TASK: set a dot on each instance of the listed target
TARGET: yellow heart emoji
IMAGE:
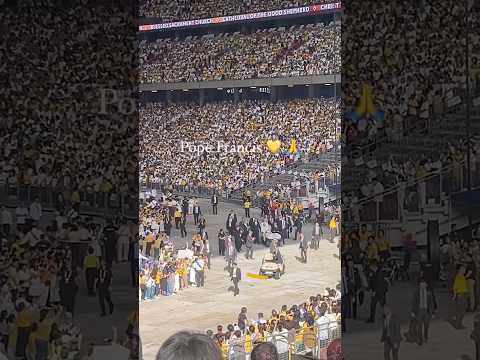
(274, 145)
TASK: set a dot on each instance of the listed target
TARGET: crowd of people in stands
(48, 143)
(179, 10)
(164, 128)
(413, 92)
(164, 269)
(295, 51)
(422, 98)
(409, 174)
(311, 326)
(368, 266)
(45, 268)
(315, 323)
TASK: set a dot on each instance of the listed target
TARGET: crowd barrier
(319, 342)
(91, 203)
(414, 197)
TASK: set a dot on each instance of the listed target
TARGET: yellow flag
(293, 147)
(365, 104)
(257, 276)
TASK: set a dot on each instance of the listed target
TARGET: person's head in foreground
(264, 351)
(188, 345)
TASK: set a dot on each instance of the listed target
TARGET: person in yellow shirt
(372, 250)
(32, 342)
(90, 266)
(363, 235)
(460, 292)
(333, 227)
(248, 343)
(157, 244)
(24, 323)
(247, 205)
(383, 245)
(177, 216)
(149, 240)
(12, 334)
(143, 283)
(43, 332)
(158, 280)
(75, 199)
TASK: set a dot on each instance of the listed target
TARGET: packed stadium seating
(274, 52)
(250, 123)
(179, 10)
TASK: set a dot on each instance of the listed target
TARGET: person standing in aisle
(104, 280)
(460, 294)
(90, 266)
(221, 242)
(214, 201)
(249, 246)
(391, 336)
(316, 235)
(183, 226)
(247, 205)
(110, 236)
(236, 278)
(196, 213)
(303, 247)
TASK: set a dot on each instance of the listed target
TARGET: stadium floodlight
(219, 88)
(328, 84)
(253, 87)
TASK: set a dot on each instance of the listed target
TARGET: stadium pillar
(201, 96)
(236, 95)
(311, 91)
(169, 96)
(273, 94)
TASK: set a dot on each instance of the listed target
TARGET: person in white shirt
(323, 328)
(60, 220)
(21, 213)
(280, 336)
(35, 212)
(34, 236)
(199, 266)
(6, 220)
(124, 238)
(84, 233)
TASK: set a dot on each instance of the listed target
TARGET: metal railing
(317, 341)
(414, 196)
(91, 203)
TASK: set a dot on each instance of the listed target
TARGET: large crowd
(370, 267)
(54, 136)
(315, 322)
(413, 92)
(311, 123)
(276, 52)
(187, 9)
(46, 266)
(426, 62)
(64, 142)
